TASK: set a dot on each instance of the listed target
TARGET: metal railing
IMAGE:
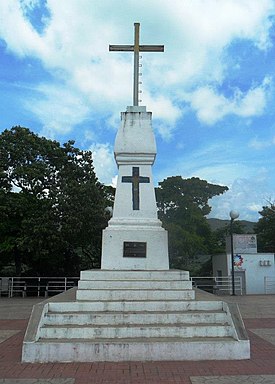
(43, 286)
(219, 285)
(35, 286)
(269, 285)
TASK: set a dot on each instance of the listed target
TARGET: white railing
(217, 284)
(269, 285)
(35, 286)
(42, 286)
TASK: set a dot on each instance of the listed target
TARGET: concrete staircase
(134, 315)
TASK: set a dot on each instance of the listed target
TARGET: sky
(211, 92)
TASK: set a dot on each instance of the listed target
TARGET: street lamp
(233, 215)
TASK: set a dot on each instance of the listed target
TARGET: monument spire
(136, 48)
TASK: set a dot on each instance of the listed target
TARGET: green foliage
(183, 205)
(51, 205)
(109, 195)
(190, 194)
(265, 229)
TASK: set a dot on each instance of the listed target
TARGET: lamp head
(234, 214)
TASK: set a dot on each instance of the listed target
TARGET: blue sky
(211, 92)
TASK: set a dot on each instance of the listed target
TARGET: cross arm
(151, 48)
(127, 179)
(144, 179)
(121, 48)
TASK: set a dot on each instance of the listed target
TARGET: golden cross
(136, 48)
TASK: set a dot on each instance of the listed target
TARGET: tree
(51, 204)
(265, 229)
(183, 206)
(13, 207)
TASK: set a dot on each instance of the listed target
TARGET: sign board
(245, 243)
(242, 244)
(134, 249)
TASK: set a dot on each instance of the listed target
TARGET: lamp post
(233, 215)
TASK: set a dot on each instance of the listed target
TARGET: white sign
(245, 243)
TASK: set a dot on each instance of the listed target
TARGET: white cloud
(223, 19)
(250, 104)
(247, 195)
(59, 109)
(163, 108)
(20, 36)
(201, 41)
(165, 114)
(104, 163)
(211, 106)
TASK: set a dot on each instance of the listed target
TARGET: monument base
(131, 316)
(135, 247)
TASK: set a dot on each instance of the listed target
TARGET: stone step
(102, 274)
(134, 284)
(134, 331)
(167, 349)
(134, 294)
(128, 306)
(119, 318)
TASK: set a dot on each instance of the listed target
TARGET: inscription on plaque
(134, 249)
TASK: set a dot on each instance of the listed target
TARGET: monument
(135, 238)
(134, 307)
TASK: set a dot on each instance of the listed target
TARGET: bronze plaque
(134, 249)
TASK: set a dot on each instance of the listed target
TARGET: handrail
(36, 285)
(33, 285)
(220, 285)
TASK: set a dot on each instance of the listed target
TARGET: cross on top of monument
(136, 48)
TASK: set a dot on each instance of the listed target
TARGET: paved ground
(259, 317)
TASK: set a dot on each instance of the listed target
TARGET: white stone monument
(134, 308)
(135, 238)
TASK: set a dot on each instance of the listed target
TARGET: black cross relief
(135, 179)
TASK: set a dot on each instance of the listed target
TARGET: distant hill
(218, 223)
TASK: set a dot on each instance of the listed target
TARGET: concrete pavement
(258, 312)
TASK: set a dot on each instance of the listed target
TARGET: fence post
(11, 288)
(266, 285)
